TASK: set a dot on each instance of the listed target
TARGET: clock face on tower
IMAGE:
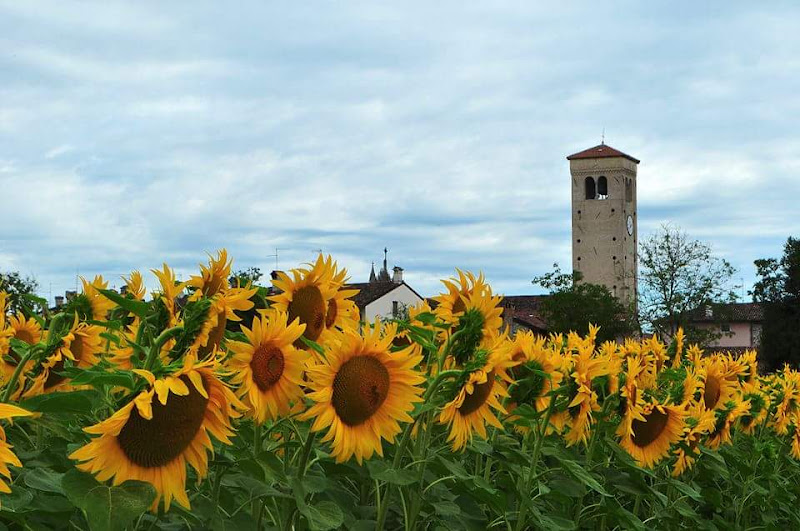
(630, 225)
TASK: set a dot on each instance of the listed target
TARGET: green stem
(309, 445)
(12, 383)
(537, 452)
(155, 348)
(257, 439)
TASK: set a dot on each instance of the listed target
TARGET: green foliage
(21, 293)
(572, 305)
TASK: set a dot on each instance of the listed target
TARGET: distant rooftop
(601, 151)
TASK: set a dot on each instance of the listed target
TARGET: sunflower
(538, 371)
(470, 297)
(725, 420)
(699, 422)
(27, 330)
(214, 278)
(719, 387)
(170, 290)
(362, 391)
(7, 457)
(223, 309)
(677, 356)
(80, 345)
(100, 304)
(305, 296)
(650, 430)
(267, 368)
(585, 368)
(471, 409)
(759, 406)
(163, 428)
(134, 285)
(341, 313)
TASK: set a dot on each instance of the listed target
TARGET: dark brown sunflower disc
(359, 388)
(647, 431)
(479, 395)
(712, 392)
(333, 312)
(309, 306)
(155, 442)
(267, 366)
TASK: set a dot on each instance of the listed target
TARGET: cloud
(436, 130)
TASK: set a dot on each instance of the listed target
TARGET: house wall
(741, 336)
(383, 306)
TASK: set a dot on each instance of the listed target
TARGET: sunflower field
(206, 405)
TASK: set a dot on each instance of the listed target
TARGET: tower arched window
(602, 188)
(591, 192)
(628, 190)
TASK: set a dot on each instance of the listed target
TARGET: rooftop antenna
(276, 257)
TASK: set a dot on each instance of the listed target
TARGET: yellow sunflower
(719, 388)
(267, 368)
(725, 421)
(223, 309)
(341, 313)
(471, 409)
(214, 278)
(170, 290)
(27, 330)
(134, 284)
(7, 456)
(81, 345)
(531, 354)
(163, 428)
(699, 422)
(362, 391)
(585, 368)
(469, 293)
(679, 343)
(101, 304)
(759, 406)
(305, 296)
(650, 431)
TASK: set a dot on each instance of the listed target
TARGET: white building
(384, 296)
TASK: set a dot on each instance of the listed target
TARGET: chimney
(59, 301)
(70, 295)
(709, 311)
(123, 290)
(274, 275)
(397, 277)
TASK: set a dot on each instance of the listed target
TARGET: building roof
(372, 291)
(524, 309)
(737, 312)
(601, 151)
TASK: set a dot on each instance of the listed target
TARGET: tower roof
(601, 151)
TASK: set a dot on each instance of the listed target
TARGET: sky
(138, 133)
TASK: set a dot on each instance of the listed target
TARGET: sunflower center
(330, 316)
(154, 443)
(309, 306)
(648, 430)
(480, 393)
(712, 392)
(25, 335)
(267, 366)
(359, 388)
(459, 306)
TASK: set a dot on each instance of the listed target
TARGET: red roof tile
(600, 152)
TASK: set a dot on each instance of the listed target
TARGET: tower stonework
(604, 224)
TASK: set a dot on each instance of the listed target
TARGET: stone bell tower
(604, 225)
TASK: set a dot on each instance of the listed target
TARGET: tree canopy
(779, 291)
(572, 305)
(20, 289)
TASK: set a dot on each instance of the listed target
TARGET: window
(395, 309)
(628, 190)
(725, 327)
(602, 188)
(590, 189)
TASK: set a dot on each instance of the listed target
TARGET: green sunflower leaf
(70, 402)
(111, 508)
(582, 475)
(134, 306)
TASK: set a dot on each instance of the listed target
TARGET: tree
(779, 291)
(242, 277)
(679, 276)
(573, 305)
(21, 291)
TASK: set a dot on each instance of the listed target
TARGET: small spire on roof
(603, 137)
(372, 277)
